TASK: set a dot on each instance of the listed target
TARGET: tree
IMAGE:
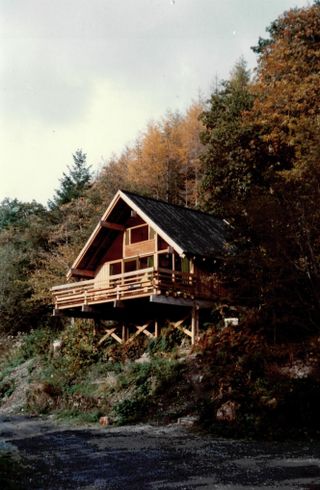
(261, 168)
(227, 166)
(191, 127)
(287, 105)
(74, 183)
(22, 239)
(17, 213)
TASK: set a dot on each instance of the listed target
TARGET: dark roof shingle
(197, 233)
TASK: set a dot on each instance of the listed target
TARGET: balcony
(130, 285)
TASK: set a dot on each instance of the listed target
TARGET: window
(138, 234)
(138, 263)
(177, 263)
(130, 265)
(165, 261)
(115, 268)
(145, 262)
(162, 244)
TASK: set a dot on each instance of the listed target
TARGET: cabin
(146, 262)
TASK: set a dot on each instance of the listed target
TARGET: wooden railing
(130, 285)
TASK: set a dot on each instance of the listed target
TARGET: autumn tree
(261, 168)
(286, 114)
(165, 159)
(191, 127)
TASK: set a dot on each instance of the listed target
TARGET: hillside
(248, 156)
(232, 383)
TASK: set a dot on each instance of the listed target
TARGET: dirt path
(145, 457)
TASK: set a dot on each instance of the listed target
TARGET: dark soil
(145, 457)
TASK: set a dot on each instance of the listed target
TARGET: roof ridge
(180, 206)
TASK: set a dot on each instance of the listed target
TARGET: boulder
(227, 412)
(104, 421)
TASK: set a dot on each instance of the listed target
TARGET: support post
(156, 328)
(194, 324)
(125, 333)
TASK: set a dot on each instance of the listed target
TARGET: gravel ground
(147, 457)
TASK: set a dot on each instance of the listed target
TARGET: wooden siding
(140, 248)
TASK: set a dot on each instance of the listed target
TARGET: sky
(90, 74)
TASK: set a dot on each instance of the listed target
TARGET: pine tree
(74, 183)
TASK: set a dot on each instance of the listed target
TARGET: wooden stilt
(194, 324)
(125, 333)
(156, 328)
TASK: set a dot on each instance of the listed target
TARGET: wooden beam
(170, 300)
(110, 333)
(178, 325)
(82, 273)
(142, 329)
(87, 309)
(112, 226)
(118, 304)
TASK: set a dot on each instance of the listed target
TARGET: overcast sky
(90, 74)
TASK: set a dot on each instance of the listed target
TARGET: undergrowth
(157, 381)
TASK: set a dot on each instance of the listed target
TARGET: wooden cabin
(146, 261)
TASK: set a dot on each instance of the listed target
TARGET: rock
(272, 403)
(104, 421)
(56, 347)
(188, 421)
(227, 411)
(19, 378)
(144, 358)
(231, 322)
(297, 370)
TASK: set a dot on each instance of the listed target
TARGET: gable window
(138, 234)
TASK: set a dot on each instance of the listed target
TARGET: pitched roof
(195, 232)
(188, 231)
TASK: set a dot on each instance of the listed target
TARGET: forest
(250, 154)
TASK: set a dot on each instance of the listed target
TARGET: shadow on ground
(144, 457)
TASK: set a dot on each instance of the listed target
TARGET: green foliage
(261, 173)
(228, 169)
(37, 343)
(22, 239)
(143, 382)
(16, 213)
(79, 350)
(79, 417)
(168, 341)
(130, 410)
(6, 388)
(75, 183)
